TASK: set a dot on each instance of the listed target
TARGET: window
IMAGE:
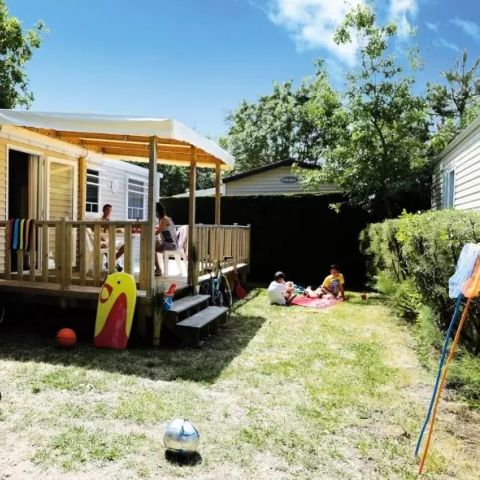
(135, 199)
(93, 191)
(449, 189)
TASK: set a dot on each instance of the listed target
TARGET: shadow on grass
(29, 336)
(183, 460)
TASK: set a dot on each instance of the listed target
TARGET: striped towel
(21, 233)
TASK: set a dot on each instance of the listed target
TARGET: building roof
(282, 163)
(123, 137)
(205, 192)
(463, 135)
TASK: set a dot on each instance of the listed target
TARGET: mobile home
(56, 170)
(456, 177)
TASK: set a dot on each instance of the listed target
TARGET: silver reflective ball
(181, 436)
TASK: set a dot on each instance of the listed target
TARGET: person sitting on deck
(280, 292)
(166, 236)
(332, 286)
(106, 213)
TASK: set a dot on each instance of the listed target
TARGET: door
(24, 177)
(62, 198)
(18, 184)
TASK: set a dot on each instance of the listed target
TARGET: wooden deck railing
(228, 244)
(69, 252)
(66, 252)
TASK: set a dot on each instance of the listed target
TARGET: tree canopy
(175, 179)
(455, 102)
(16, 49)
(378, 156)
(275, 127)
(377, 137)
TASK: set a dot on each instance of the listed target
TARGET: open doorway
(25, 181)
(18, 184)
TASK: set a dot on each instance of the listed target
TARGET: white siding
(114, 175)
(269, 183)
(464, 158)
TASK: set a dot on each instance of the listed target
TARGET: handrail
(106, 223)
(215, 242)
(222, 226)
(82, 252)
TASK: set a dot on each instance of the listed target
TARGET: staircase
(191, 319)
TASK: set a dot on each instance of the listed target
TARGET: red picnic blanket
(304, 301)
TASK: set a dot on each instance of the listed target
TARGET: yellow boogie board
(116, 306)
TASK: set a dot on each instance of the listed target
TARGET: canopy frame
(146, 140)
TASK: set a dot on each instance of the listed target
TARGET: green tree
(455, 103)
(379, 157)
(175, 179)
(16, 49)
(273, 128)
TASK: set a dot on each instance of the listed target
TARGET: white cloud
(470, 28)
(401, 11)
(432, 26)
(313, 23)
(446, 44)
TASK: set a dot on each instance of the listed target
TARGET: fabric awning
(123, 137)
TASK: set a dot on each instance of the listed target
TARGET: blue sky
(195, 60)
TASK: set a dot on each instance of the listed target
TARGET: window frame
(449, 181)
(144, 193)
(99, 197)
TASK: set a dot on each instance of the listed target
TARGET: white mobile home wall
(462, 156)
(114, 176)
(270, 183)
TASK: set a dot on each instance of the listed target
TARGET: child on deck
(280, 292)
(332, 286)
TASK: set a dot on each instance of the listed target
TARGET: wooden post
(112, 248)
(97, 255)
(127, 246)
(32, 253)
(82, 257)
(8, 252)
(152, 207)
(192, 248)
(45, 251)
(60, 252)
(144, 233)
(67, 268)
(82, 187)
(20, 264)
(218, 179)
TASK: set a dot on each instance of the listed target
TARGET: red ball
(66, 338)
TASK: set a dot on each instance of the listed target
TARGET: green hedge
(410, 259)
(415, 255)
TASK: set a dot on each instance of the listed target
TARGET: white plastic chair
(179, 254)
(90, 250)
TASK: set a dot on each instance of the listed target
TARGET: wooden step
(201, 324)
(186, 303)
(183, 308)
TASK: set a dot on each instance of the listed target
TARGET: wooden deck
(66, 263)
(86, 296)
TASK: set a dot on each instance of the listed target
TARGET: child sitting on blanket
(280, 292)
(332, 286)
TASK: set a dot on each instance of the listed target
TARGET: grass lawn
(281, 393)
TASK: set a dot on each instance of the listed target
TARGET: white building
(456, 177)
(123, 185)
(279, 178)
